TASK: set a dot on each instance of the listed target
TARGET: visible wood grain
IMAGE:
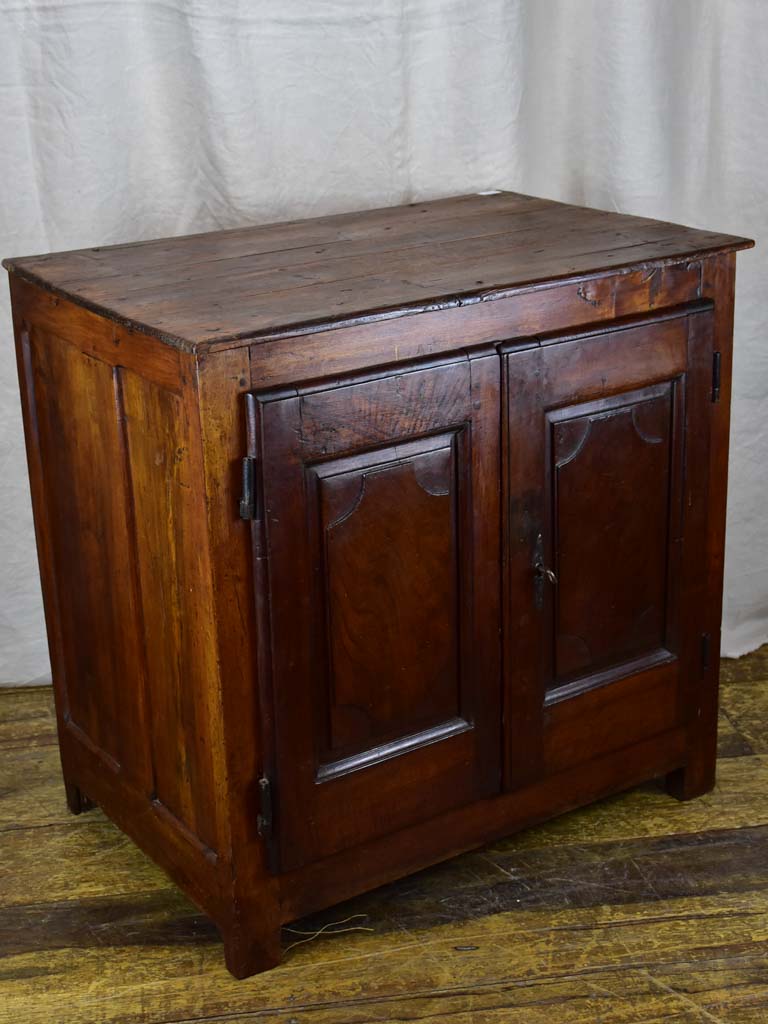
(27, 717)
(342, 350)
(75, 855)
(735, 802)
(31, 795)
(143, 920)
(599, 530)
(236, 285)
(605, 718)
(634, 909)
(91, 549)
(746, 708)
(718, 284)
(170, 563)
(251, 921)
(287, 720)
(612, 553)
(753, 668)
(510, 879)
(645, 812)
(731, 741)
(96, 336)
(74, 412)
(384, 638)
(516, 960)
(31, 789)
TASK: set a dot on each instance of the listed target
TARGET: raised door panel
(607, 488)
(380, 568)
(388, 535)
(615, 500)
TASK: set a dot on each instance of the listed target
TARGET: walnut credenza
(368, 539)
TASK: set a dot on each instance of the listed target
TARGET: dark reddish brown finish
(384, 653)
(611, 501)
(225, 287)
(600, 485)
(390, 515)
(436, 399)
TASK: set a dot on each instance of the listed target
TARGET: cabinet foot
(77, 801)
(692, 780)
(250, 952)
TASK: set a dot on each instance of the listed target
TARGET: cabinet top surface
(221, 287)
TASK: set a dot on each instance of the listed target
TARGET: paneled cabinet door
(379, 583)
(607, 455)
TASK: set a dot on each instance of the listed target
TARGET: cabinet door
(607, 477)
(381, 595)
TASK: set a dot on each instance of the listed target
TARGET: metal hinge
(705, 651)
(248, 504)
(264, 818)
(716, 361)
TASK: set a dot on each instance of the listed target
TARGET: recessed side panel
(75, 411)
(389, 549)
(174, 588)
(615, 497)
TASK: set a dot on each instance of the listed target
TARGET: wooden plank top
(256, 283)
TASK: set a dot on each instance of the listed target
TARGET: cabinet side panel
(113, 444)
(84, 510)
(718, 280)
(172, 563)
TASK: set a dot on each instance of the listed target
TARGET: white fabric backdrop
(127, 119)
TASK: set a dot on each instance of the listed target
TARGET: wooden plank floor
(636, 909)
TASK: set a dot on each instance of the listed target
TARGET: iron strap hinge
(265, 815)
(706, 645)
(249, 500)
(716, 361)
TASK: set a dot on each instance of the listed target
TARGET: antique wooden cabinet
(365, 540)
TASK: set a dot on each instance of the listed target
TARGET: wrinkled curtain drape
(127, 119)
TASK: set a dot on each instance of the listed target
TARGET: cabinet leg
(694, 779)
(249, 951)
(77, 801)
(697, 776)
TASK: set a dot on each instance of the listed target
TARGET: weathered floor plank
(752, 668)
(747, 711)
(26, 718)
(72, 862)
(482, 962)
(634, 910)
(31, 788)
